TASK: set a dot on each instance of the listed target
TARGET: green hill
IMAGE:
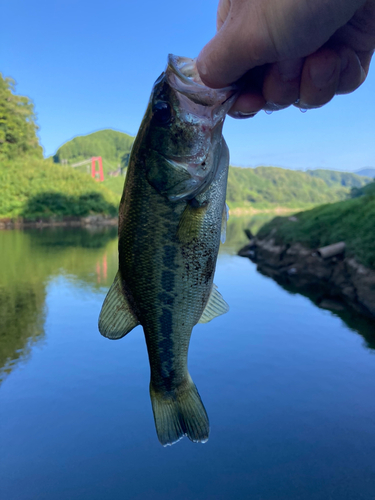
(260, 188)
(334, 178)
(352, 221)
(34, 188)
(264, 187)
(113, 146)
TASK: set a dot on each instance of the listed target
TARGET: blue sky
(91, 65)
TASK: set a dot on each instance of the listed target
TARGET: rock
(326, 271)
(331, 250)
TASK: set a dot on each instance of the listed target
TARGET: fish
(171, 217)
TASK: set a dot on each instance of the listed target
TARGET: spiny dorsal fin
(224, 220)
(116, 317)
(216, 306)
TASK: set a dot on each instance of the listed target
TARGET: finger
(320, 78)
(282, 83)
(222, 13)
(247, 104)
(236, 48)
(352, 75)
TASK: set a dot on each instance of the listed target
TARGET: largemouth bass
(171, 215)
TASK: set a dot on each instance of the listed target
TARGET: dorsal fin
(116, 317)
(215, 306)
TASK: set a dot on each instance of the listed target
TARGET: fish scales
(169, 236)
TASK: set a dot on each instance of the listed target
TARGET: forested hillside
(32, 187)
(334, 178)
(261, 187)
(113, 146)
(264, 187)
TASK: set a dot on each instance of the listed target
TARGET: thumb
(240, 44)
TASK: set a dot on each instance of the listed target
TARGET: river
(289, 388)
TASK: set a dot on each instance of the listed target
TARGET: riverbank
(332, 283)
(243, 211)
(90, 220)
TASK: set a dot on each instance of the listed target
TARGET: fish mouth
(183, 76)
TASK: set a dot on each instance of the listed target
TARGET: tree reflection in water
(30, 259)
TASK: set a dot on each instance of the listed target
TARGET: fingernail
(302, 106)
(321, 75)
(201, 66)
(239, 115)
(272, 106)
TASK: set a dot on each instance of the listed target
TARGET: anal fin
(215, 306)
(116, 317)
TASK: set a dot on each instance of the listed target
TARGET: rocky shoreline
(90, 220)
(332, 283)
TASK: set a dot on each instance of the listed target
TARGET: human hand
(288, 51)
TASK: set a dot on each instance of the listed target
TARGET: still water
(289, 388)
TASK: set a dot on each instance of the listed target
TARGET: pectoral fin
(216, 306)
(192, 218)
(116, 317)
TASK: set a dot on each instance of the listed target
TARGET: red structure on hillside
(98, 176)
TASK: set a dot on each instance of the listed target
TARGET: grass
(352, 221)
(33, 188)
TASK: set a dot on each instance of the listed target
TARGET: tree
(17, 124)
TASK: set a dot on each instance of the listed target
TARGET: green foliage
(261, 187)
(352, 221)
(17, 124)
(35, 188)
(368, 189)
(115, 184)
(333, 178)
(113, 146)
(264, 187)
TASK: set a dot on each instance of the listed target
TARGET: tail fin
(179, 416)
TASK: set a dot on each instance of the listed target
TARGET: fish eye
(162, 113)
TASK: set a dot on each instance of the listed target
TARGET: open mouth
(183, 76)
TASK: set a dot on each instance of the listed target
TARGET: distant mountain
(347, 179)
(113, 146)
(264, 187)
(261, 187)
(367, 172)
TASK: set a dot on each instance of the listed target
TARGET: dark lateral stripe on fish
(169, 257)
(166, 345)
(167, 280)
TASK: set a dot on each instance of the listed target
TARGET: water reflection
(21, 323)
(235, 236)
(287, 386)
(319, 297)
(30, 260)
(87, 257)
